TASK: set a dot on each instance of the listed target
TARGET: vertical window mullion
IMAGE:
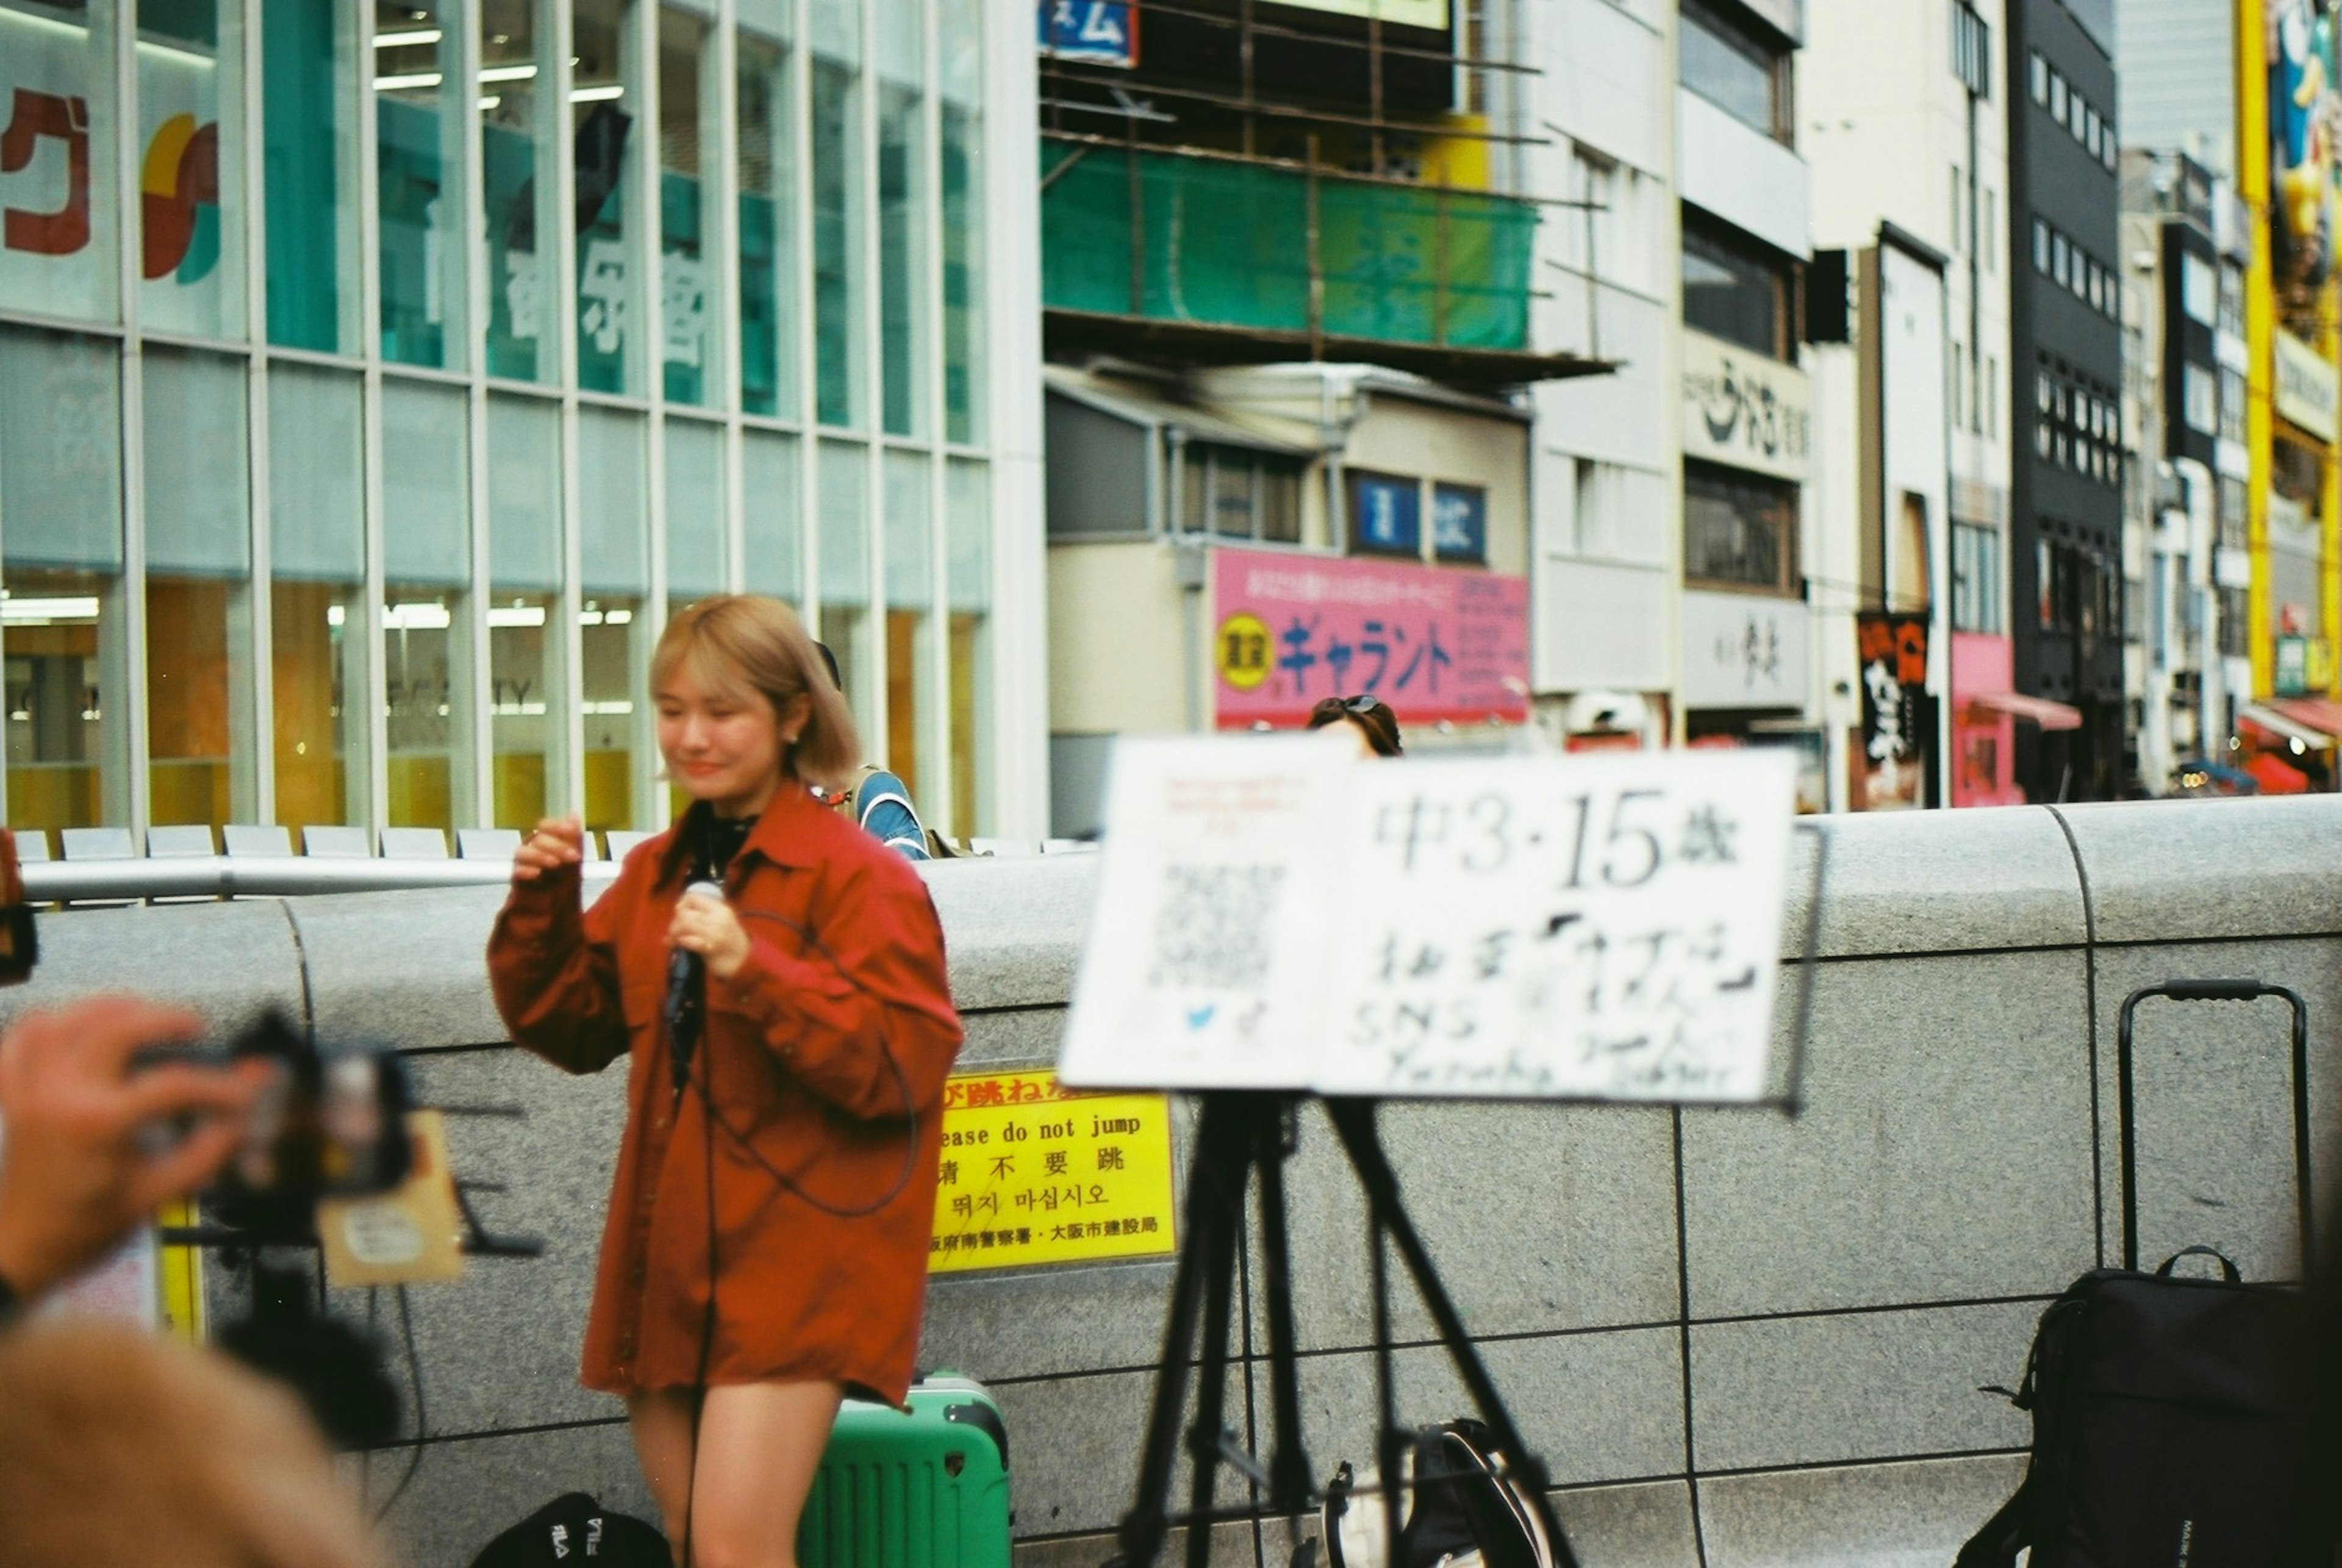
(260, 691)
(940, 808)
(809, 382)
(127, 796)
(565, 767)
(647, 233)
(872, 671)
(477, 804)
(721, 132)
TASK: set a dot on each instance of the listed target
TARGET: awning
(2269, 719)
(2040, 711)
(2274, 777)
(2313, 712)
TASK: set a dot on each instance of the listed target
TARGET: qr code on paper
(1211, 928)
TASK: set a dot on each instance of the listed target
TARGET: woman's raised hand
(556, 842)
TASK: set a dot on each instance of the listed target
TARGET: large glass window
(905, 341)
(420, 116)
(769, 250)
(772, 546)
(968, 531)
(58, 166)
(316, 531)
(1739, 530)
(959, 66)
(427, 653)
(911, 697)
(1735, 288)
(840, 372)
(524, 460)
(846, 571)
(602, 115)
(199, 720)
(614, 555)
(191, 167)
(688, 351)
(1732, 66)
(309, 106)
(62, 616)
(517, 128)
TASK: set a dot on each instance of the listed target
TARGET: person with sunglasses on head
(1370, 717)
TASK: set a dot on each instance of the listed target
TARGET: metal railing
(258, 876)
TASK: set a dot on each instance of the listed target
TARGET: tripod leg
(1354, 1123)
(1212, 1364)
(1217, 1143)
(1288, 1466)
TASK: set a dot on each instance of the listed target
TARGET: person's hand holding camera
(77, 1169)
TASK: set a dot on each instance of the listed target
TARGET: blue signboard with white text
(1459, 523)
(1098, 31)
(1385, 513)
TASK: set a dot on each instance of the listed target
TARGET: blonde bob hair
(738, 645)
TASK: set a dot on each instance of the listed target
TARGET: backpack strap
(2004, 1535)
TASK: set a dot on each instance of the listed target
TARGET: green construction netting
(1228, 245)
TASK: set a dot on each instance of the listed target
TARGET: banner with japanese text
(1034, 1173)
(1434, 643)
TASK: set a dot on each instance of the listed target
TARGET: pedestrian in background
(877, 801)
(765, 1248)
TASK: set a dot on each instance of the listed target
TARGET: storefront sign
(1744, 409)
(2292, 674)
(1898, 724)
(2306, 391)
(1034, 1173)
(1434, 643)
(1744, 650)
(2302, 102)
(1386, 513)
(1459, 522)
(1096, 32)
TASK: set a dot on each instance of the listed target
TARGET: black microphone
(686, 996)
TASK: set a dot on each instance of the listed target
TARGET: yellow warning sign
(1034, 1172)
(1242, 649)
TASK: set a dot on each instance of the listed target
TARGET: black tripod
(1239, 1134)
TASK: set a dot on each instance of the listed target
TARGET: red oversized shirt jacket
(825, 1056)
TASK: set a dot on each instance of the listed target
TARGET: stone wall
(1736, 1337)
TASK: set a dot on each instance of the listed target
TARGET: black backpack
(2170, 1418)
(2171, 1415)
(572, 1529)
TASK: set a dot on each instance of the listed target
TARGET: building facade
(1906, 128)
(374, 378)
(1289, 306)
(2066, 577)
(1745, 639)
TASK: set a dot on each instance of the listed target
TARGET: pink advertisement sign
(1434, 643)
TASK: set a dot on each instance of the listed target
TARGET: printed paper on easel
(1204, 965)
(1579, 927)
(1605, 927)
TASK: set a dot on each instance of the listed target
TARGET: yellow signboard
(1242, 649)
(1406, 13)
(1037, 1174)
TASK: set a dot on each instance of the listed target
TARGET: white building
(1665, 573)
(1902, 113)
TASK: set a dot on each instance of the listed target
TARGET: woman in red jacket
(767, 1234)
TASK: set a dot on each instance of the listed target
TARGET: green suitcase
(926, 1490)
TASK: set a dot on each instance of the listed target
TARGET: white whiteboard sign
(1273, 913)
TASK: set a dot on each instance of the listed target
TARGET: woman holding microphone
(789, 1025)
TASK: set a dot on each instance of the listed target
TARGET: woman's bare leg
(759, 1446)
(661, 1418)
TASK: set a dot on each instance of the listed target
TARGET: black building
(2066, 578)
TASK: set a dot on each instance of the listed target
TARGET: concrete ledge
(1842, 1279)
